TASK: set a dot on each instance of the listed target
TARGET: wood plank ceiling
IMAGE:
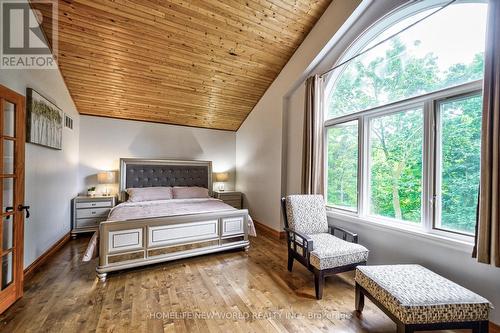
(202, 63)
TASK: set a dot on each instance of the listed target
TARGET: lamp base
(106, 193)
(221, 187)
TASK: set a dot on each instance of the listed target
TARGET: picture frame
(44, 121)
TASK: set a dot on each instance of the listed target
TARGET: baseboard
(269, 231)
(494, 328)
(28, 271)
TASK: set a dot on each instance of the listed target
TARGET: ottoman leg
(482, 327)
(402, 328)
(359, 299)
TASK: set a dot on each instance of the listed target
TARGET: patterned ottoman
(418, 299)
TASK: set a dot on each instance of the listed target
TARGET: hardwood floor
(226, 292)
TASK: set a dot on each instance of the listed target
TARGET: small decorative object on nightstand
(88, 212)
(221, 178)
(91, 191)
(232, 198)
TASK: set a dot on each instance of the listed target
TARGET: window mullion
(364, 156)
(428, 166)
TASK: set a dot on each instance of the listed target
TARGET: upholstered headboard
(151, 173)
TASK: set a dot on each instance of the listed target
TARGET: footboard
(133, 243)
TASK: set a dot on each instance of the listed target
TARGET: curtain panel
(312, 159)
(487, 245)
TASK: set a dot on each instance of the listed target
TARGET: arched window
(404, 117)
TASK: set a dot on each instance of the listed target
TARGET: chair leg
(359, 299)
(290, 262)
(319, 282)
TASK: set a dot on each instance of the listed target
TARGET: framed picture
(44, 121)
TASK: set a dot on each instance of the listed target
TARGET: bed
(148, 232)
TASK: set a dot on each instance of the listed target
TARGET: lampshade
(221, 177)
(106, 177)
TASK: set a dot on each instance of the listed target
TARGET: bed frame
(140, 242)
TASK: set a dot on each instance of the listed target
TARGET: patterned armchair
(314, 244)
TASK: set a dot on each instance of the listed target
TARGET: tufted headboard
(150, 173)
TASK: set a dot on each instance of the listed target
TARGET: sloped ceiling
(202, 63)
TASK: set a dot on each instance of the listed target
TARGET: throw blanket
(159, 208)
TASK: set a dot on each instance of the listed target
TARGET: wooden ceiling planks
(201, 63)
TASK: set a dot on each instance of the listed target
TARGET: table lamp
(106, 178)
(221, 178)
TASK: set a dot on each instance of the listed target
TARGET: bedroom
(244, 102)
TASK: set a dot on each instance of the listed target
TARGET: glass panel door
(12, 137)
(7, 228)
(8, 142)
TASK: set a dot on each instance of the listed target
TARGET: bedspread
(161, 208)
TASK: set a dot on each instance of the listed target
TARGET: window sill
(463, 244)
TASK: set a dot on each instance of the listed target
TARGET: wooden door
(12, 138)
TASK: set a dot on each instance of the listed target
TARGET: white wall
(103, 141)
(51, 175)
(294, 123)
(259, 140)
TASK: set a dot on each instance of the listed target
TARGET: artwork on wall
(44, 121)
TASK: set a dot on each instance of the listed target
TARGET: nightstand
(231, 198)
(88, 212)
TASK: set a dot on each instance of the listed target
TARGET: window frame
(429, 104)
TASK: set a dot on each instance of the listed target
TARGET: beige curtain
(312, 165)
(487, 248)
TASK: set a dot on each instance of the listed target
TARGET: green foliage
(461, 145)
(396, 139)
(343, 165)
(396, 164)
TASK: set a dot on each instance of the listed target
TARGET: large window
(403, 120)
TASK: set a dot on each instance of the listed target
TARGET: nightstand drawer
(94, 204)
(229, 196)
(92, 213)
(235, 203)
(85, 223)
(88, 212)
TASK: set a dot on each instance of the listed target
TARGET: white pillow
(139, 194)
(189, 192)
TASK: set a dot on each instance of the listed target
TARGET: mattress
(162, 208)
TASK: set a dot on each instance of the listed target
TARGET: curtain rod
(386, 39)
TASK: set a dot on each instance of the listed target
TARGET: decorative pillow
(189, 192)
(149, 194)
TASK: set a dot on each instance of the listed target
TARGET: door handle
(26, 208)
(8, 210)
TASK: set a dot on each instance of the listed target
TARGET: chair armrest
(307, 243)
(345, 233)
